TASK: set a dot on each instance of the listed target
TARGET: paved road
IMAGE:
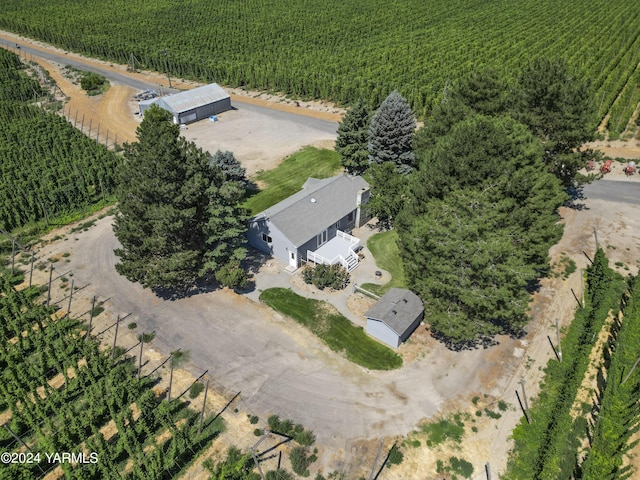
(618, 191)
(122, 79)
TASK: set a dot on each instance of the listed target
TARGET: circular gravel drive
(278, 366)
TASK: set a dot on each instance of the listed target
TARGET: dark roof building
(395, 316)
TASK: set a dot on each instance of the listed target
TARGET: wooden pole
(558, 337)
(115, 338)
(140, 358)
(524, 394)
(170, 380)
(13, 255)
(204, 402)
(33, 257)
(70, 297)
(595, 234)
(526, 415)
(93, 304)
(49, 289)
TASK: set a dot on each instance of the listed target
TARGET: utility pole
(524, 394)
(558, 337)
(166, 67)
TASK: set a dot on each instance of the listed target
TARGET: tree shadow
(203, 285)
(576, 197)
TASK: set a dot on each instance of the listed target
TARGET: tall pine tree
(391, 133)
(178, 220)
(353, 138)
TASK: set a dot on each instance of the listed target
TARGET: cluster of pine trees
(179, 219)
(474, 192)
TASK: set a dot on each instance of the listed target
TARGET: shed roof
(313, 209)
(190, 99)
(398, 309)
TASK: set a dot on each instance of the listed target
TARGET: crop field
(348, 49)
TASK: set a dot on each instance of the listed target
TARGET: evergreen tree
(557, 107)
(353, 138)
(387, 192)
(479, 219)
(230, 166)
(178, 219)
(391, 133)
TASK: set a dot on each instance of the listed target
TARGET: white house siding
(379, 330)
(280, 247)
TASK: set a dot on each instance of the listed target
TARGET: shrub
(306, 438)
(232, 275)
(132, 326)
(253, 419)
(92, 81)
(395, 456)
(195, 389)
(300, 462)
(323, 276)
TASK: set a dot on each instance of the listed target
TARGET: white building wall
(383, 333)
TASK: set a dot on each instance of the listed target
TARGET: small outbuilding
(395, 316)
(192, 105)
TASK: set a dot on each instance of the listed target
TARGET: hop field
(349, 49)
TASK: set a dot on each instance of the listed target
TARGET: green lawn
(384, 248)
(287, 179)
(336, 330)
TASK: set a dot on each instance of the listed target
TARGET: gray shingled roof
(185, 101)
(299, 218)
(398, 308)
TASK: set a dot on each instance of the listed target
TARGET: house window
(293, 256)
(266, 238)
(322, 237)
(350, 217)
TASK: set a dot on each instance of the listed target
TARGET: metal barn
(193, 105)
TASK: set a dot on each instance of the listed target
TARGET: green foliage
(353, 138)
(288, 178)
(388, 192)
(97, 393)
(291, 429)
(322, 276)
(503, 406)
(339, 52)
(230, 166)
(232, 275)
(557, 105)
(384, 248)
(456, 466)
(547, 447)
(236, 466)
(391, 134)
(178, 218)
(444, 429)
(480, 218)
(49, 169)
(132, 326)
(336, 331)
(279, 474)
(146, 337)
(253, 419)
(92, 82)
(395, 456)
(492, 414)
(300, 461)
(195, 390)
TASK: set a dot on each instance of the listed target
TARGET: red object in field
(591, 165)
(606, 166)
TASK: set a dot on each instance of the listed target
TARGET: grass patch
(288, 177)
(334, 329)
(446, 429)
(384, 248)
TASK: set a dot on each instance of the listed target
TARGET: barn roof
(190, 99)
(398, 309)
(313, 209)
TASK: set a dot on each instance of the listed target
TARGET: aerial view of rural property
(328, 240)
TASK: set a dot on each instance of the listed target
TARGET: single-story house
(313, 224)
(395, 316)
(192, 105)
